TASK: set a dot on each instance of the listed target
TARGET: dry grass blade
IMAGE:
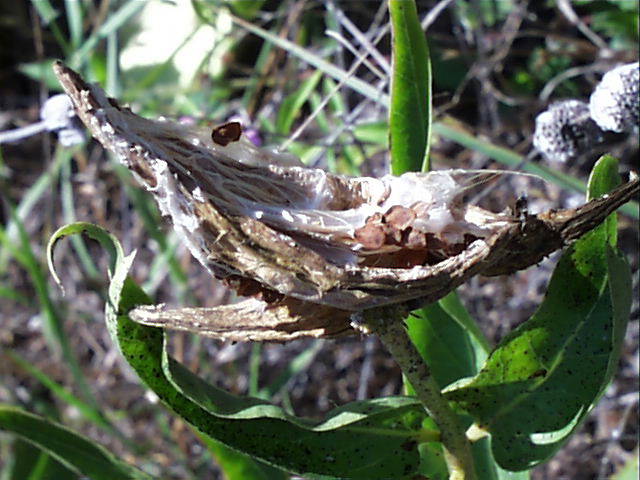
(292, 236)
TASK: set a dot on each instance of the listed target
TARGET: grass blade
(52, 322)
(114, 22)
(71, 449)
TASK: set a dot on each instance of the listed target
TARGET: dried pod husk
(309, 247)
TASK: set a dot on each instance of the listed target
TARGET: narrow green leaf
(292, 105)
(48, 14)
(29, 462)
(238, 466)
(74, 451)
(41, 71)
(372, 132)
(107, 241)
(299, 364)
(453, 306)
(543, 379)
(45, 10)
(88, 411)
(74, 10)
(246, 8)
(69, 214)
(114, 22)
(443, 344)
(410, 112)
(32, 196)
(14, 295)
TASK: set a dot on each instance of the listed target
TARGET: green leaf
(88, 411)
(372, 439)
(292, 104)
(31, 197)
(75, 14)
(544, 377)
(443, 343)
(361, 439)
(238, 466)
(74, 451)
(453, 306)
(372, 132)
(297, 365)
(29, 462)
(410, 112)
(246, 8)
(114, 22)
(441, 333)
(45, 10)
(41, 71)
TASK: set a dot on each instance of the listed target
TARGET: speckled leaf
(77, 453)
(410, 109)
(363, 440)
(544, 377)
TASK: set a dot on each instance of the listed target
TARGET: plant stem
(388, 324)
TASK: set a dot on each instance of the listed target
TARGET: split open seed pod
(309, 248)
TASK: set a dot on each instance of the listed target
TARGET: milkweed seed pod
(566, 130)
(310, 249)
(615, 103)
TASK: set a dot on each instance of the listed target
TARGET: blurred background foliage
(496, 64)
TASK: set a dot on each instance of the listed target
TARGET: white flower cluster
(571, 127)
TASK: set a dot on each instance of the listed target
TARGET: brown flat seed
(416, 240)
(399, 217)
(227, 133)
(371, 236)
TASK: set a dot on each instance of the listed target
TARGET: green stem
(388, 324)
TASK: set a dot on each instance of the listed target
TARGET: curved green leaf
(372, 439)
(410, 110)
(542, 380)
(72, 450)
(106, 240)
